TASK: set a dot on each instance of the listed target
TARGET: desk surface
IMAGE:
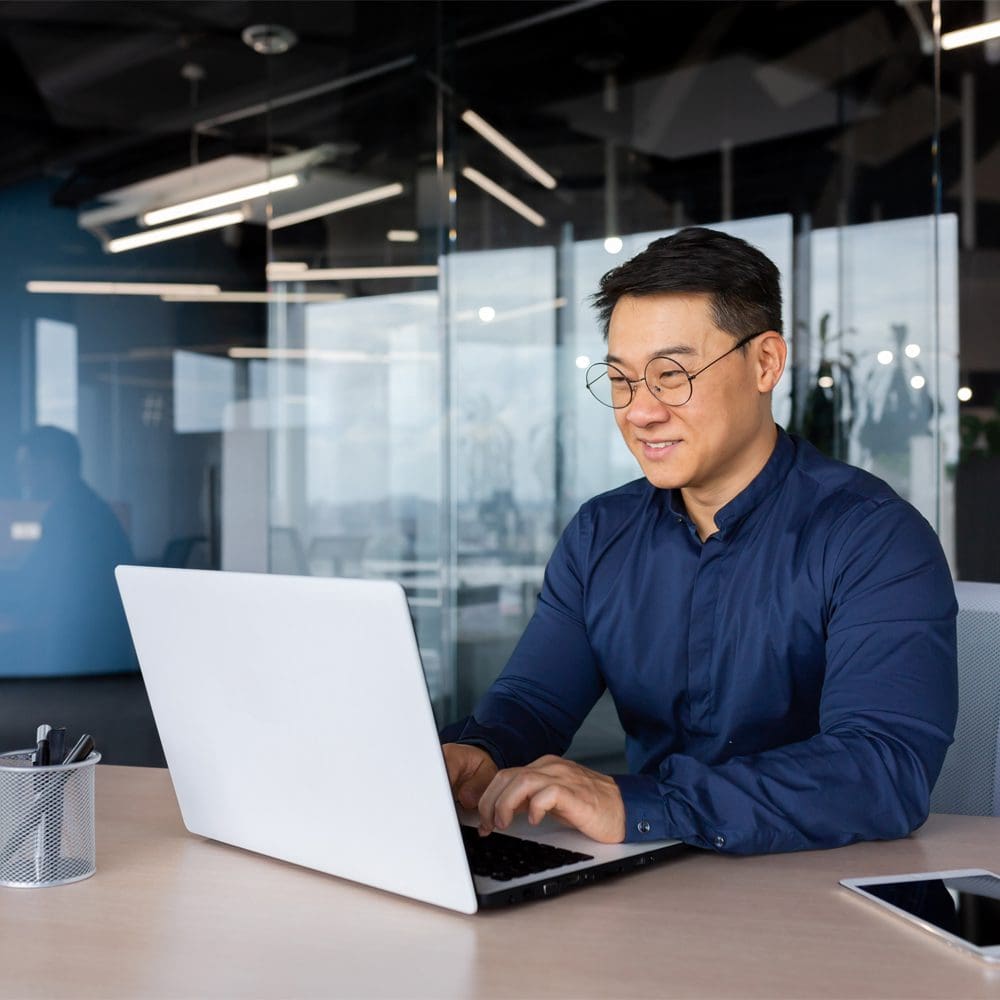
(172, 915)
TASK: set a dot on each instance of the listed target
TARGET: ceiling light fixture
(518, 312)
(118, 288)
(212, 201)
(280, 269)
(402, 236)
(337, 205)
(501, 142)
(269, 39)
(347, 273)
(494, 189)
(320, 354)
(290, 297)
(970, 36)
(174, 232)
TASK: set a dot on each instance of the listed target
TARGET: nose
(646, 407)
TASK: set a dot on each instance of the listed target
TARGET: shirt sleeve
(887, 713)
(552, 680)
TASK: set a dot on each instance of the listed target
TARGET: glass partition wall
(379, 369)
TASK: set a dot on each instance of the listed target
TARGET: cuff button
(643, 826)
(720, 841)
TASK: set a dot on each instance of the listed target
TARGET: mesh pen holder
(46, 821)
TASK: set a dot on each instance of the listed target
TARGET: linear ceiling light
(281, 269)
(319, 354)
(347, 273)
(174, 232)
(402, 236)
(118, 288)
(212, 201)
(491, 187)
(969, 36)
(525, 162)
(498, 316)
(337, 205)
(291, 297)
(295, 354)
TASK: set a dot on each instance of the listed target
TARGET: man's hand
(470, 770)
(573, 794)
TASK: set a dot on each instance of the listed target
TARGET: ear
(769, 362)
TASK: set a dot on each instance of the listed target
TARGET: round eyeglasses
(668, 380)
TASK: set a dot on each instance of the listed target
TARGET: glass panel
(348, 396)
(432, 426)
(806, 130)
(885, 372)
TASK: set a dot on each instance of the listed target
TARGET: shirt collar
(761, 486)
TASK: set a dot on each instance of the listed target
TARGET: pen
(57, 745)
(41, 758)
(81, 749)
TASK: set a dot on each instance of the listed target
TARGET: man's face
(707, 444)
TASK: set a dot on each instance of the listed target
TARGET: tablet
(960, 907)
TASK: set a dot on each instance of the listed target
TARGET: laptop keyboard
(502, 857)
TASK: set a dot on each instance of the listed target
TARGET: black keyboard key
(502, 857)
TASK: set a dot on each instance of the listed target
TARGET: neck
(704, 502)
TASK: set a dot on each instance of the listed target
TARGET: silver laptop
(296, 722)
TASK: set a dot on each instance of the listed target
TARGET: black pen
(57, 745)
(81, 750)
(41, 758)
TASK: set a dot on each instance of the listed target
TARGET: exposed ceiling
(102, 95)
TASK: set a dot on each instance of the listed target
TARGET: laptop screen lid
(296, 723)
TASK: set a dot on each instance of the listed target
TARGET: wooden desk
(172, 915)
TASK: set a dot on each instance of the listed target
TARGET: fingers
(584, 799)
(470, 770)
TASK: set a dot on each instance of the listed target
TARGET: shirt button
(643, 826)
(720, 841)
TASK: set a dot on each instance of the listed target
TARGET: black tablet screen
(968, 907)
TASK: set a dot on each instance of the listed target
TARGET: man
(777, 629)
(62, 604)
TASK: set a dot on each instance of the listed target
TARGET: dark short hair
(744, 285)
(52, 444)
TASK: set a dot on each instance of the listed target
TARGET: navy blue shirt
(790, 683)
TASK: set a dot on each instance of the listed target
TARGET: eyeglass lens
(666, 379)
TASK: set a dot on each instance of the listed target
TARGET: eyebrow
(663, 352)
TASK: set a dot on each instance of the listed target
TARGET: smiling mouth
(659, 445)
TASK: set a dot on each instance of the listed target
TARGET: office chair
(970, 779)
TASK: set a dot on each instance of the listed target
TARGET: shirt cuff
(645, 816)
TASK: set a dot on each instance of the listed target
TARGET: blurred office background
(369, 360)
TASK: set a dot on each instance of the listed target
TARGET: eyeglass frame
(632, 383)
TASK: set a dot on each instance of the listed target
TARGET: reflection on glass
(59, 607)
(872, 296)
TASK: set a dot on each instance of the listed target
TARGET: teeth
(659, 444)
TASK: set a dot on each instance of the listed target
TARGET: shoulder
(609, 520)
(636, 491)
(863, 527)
(837, 490)
(611, 509)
